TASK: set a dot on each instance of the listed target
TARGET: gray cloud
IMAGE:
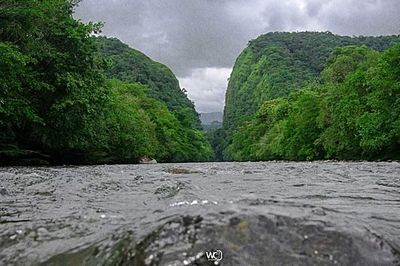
(189, 35)
(367, 17)
(207, 86)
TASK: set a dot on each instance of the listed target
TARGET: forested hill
(63, 101)
(130, 65)
(274, 66)
(277, 63)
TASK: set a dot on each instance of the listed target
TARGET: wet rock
(318, 211)
(147, 160)
(169, 190)
(42, 234)
(44, 193)
(259, 240)
(4, 192)
(179, 171)
(246, 172)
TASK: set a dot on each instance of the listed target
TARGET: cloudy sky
(200, 39)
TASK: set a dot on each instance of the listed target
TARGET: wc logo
(214, 255)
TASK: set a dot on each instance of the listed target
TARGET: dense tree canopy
(274, 66)
(177, 126)
(277, 63)
(52, 89)
(66, 96)
(57, 106)
(353, 114)
(130, 65)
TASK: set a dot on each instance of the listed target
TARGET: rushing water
(99, 214)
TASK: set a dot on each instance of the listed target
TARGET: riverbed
(261, 213)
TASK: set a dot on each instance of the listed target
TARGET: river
(261, 213)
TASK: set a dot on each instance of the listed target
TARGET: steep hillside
(130, 65)
(57, 107)
(310, 96)
(177, 127)
(277, 63)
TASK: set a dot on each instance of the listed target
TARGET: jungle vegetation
(307, 96)
(69, 97)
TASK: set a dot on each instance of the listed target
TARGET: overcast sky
(200, 39)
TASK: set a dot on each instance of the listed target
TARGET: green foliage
(130, 65)
(275, 64)
(128, 132)
(136, 125)
(354, 114)
(53, 80)
(14, 106)
(343, 61)
(56, 104)
(177, 127)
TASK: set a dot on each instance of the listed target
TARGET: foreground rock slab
(244, 240)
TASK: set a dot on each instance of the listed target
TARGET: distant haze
(200, 39)
(209, 118)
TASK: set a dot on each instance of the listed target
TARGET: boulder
(258, 240)
(147, 160)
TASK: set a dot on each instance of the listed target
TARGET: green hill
(181, 138)
(272, 67)
(67, 97)
(130, 65)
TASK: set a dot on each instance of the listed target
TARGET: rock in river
(147, 160)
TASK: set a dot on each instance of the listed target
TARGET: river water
(261, 213)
